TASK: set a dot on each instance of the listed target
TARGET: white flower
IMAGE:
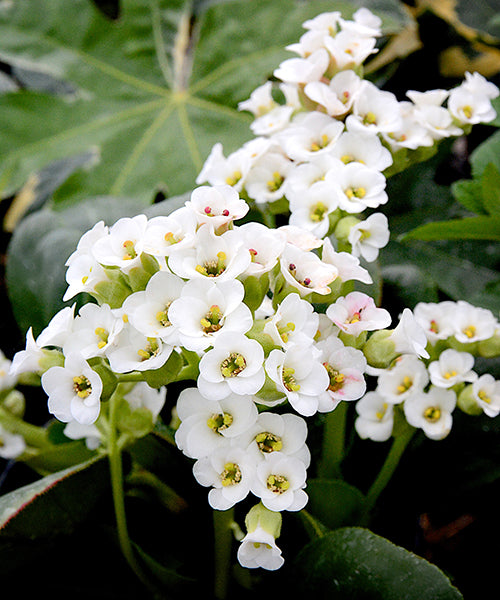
(431, 411)
(12, 445)
(313, 209)
(349, 49)
(82, 275)
(487, 394)
(364, 22)
(285, 433)
(375, 418)
(363, 147)
(310, 135)
(58, 330)
(303, 70)
(409, 336)
(217, 205)
(472, 323)
(167, 234)
(74, 391)
(205, 309)
(207, 425)
(345, 367)
(338, 96)
(266, 181)
(259, 549)
(347, 265)
(134, 351)
(407, 377)
(261, 100)
(452, 367)
(265, 245)
(360, 186)
(467, 107)
(87, 241)
(148, 310)
(303, 239)
(229, 472)
(214, 256)
(27, 360)
(123, 245)
(90, 433)
(477, 84)
(435, 318)
(411, 133)
(375, 111)
(368, 236)
(142, 396)
(305, 271)
(279, 482)
(310, 175)
(430, 113)
(324, 22)
(356, 312)
(94, 329)
(294, 322)
(299, 376)
(233, 170)
(233, 365)
(8, 378)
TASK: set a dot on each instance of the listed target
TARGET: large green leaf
(355, 563)
(154, 89)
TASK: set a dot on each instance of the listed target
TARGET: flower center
(450, 374)
(337, 379)
(218, 422)
(211, 321)
(317, 212)
(359, 192)
(405, 385)
(130, 252)
(319, 145)
(233, 365)
(289, 380)
(370, 118)
(284, 330)
(103, 335)
(432, 414)
(380, 414)
(162, 316)
(274, 184)
(469, 331)
(231, 475)
(213, 268)
(150, 350)
(467, 110)
(234, 178)
(484, 396)
(82, 386)
(268, 442)
(277, 484)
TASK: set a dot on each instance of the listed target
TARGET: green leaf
(490, 187)
(468, 193)
(472, 228)
(486, 153)
(355, 563)
(154, 89)
(54, 504)
(38, 250)
(59, 456)
(334, 502)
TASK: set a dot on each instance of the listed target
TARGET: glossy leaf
(358, 564)
(334, 502)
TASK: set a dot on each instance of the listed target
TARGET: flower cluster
(268, 321)
(324, 145)
(426, 390)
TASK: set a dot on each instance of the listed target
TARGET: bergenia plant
(243, 330)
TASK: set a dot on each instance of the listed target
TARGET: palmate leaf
(154, 90)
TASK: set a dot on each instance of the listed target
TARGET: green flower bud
(489, 348)
(344, 226)
(379, 350)
(467, 402)
(268, 520)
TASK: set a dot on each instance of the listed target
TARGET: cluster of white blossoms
(266, 320)
(324, 135)
(427, 389)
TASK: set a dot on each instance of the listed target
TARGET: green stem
(223, 539)
(334, 442)
(34, 436)
(116, 470)
(391, 462)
